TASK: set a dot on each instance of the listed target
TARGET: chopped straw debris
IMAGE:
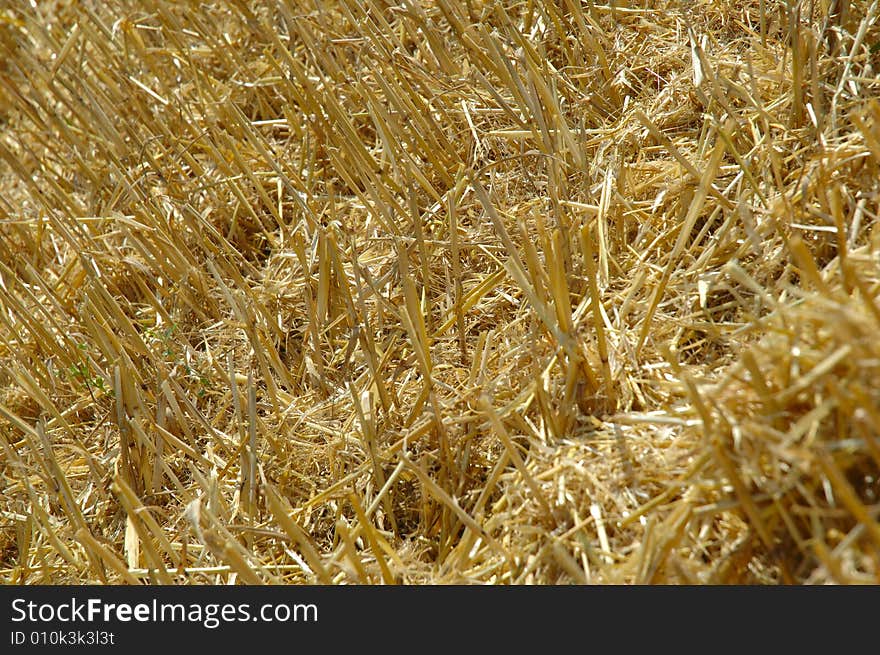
(352, 291)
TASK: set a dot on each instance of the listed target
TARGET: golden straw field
(440, 292)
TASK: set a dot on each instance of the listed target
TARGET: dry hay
(439, 292)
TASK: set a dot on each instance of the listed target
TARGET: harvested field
(493, 292)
